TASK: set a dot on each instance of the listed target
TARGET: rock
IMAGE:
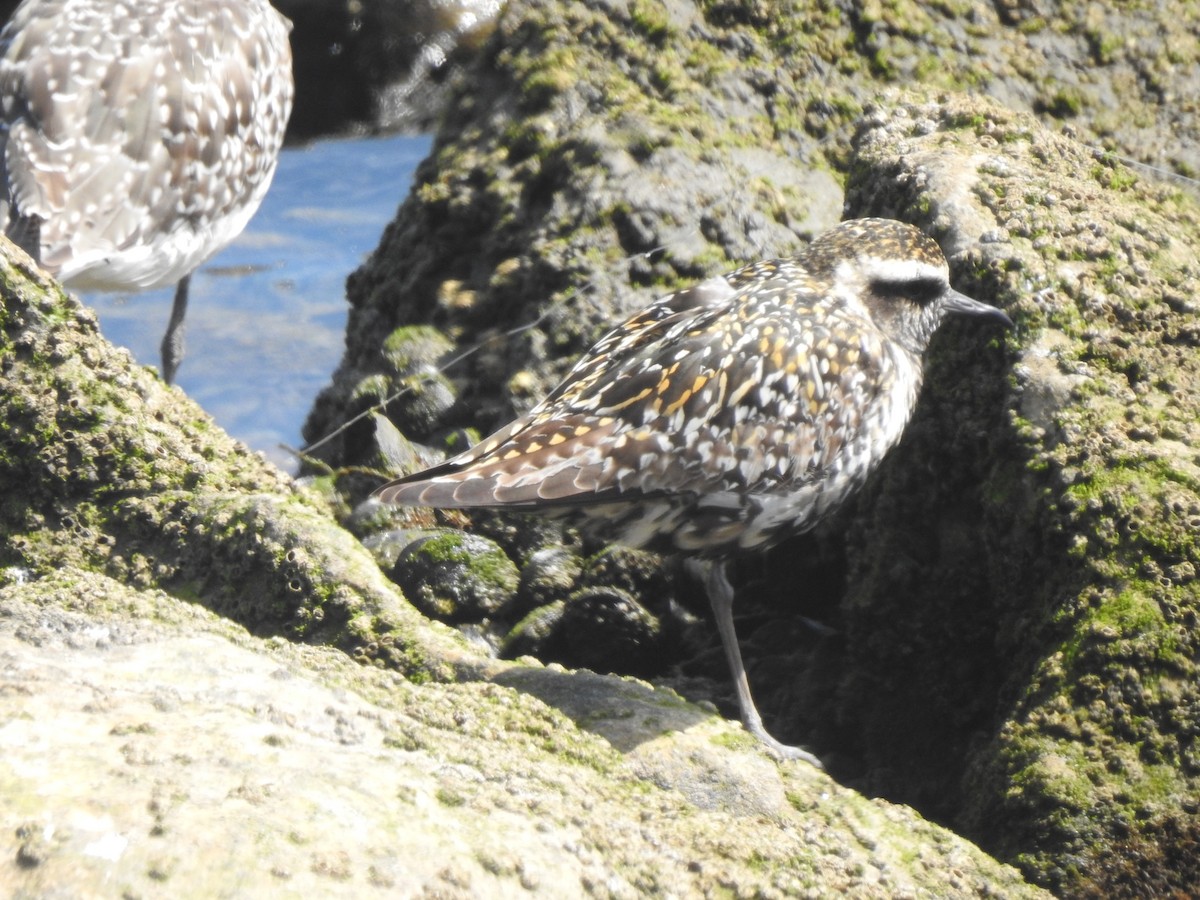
(602, 629)
(396, 452)
(607, 630)
(386, 546)
(1033, 619)
(548, 577)
(455, 577)
(145, 738)
(640, 574)
(414, 393)
(659, 168)
(531, 634)
(377, 65)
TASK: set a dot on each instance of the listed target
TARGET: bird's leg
(720, 595)
(172, 342)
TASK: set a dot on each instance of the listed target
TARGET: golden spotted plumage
(729, 415)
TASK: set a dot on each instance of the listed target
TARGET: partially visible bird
(727, 416)
(139, 137)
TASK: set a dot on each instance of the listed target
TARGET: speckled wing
(702, 393)
(22, 204)
(561, 451)
(51, 177)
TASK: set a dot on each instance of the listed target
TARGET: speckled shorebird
(139, 136)
(727, 416)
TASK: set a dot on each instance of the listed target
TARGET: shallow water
(266, 317)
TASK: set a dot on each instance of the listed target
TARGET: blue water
(266, 318)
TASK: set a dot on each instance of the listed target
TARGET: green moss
(526, 137)
(735, 740)
(1103, 44)
(705, 61)
(461, 439)
(1132, 612)
(1057, 775)
(1114, 176)
(413, 347)
(449, 797)
(491, 566)
(649, 19)
(1065, 103)
(554, 71)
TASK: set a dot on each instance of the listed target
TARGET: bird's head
(898, 273)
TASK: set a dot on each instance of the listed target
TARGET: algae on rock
(1049, 628)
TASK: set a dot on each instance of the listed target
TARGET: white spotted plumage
(138, 138)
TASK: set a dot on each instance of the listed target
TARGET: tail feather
(532, 467)
(439, 492)
(490, 485)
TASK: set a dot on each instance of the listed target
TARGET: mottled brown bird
(138, 137)
(727, 416)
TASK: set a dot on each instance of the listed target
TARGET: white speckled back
(138, 137)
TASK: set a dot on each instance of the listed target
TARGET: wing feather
(542, 464)
(703, 393)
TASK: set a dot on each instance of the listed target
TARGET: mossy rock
(456, 577)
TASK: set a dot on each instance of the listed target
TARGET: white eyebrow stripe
(876, 268)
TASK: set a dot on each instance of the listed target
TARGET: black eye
(921, 291)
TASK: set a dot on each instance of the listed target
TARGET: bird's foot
(783, 751)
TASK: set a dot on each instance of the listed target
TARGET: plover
(139, 137)
(727, 416)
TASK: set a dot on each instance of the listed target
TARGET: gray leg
(172, 342)
(720, 595)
